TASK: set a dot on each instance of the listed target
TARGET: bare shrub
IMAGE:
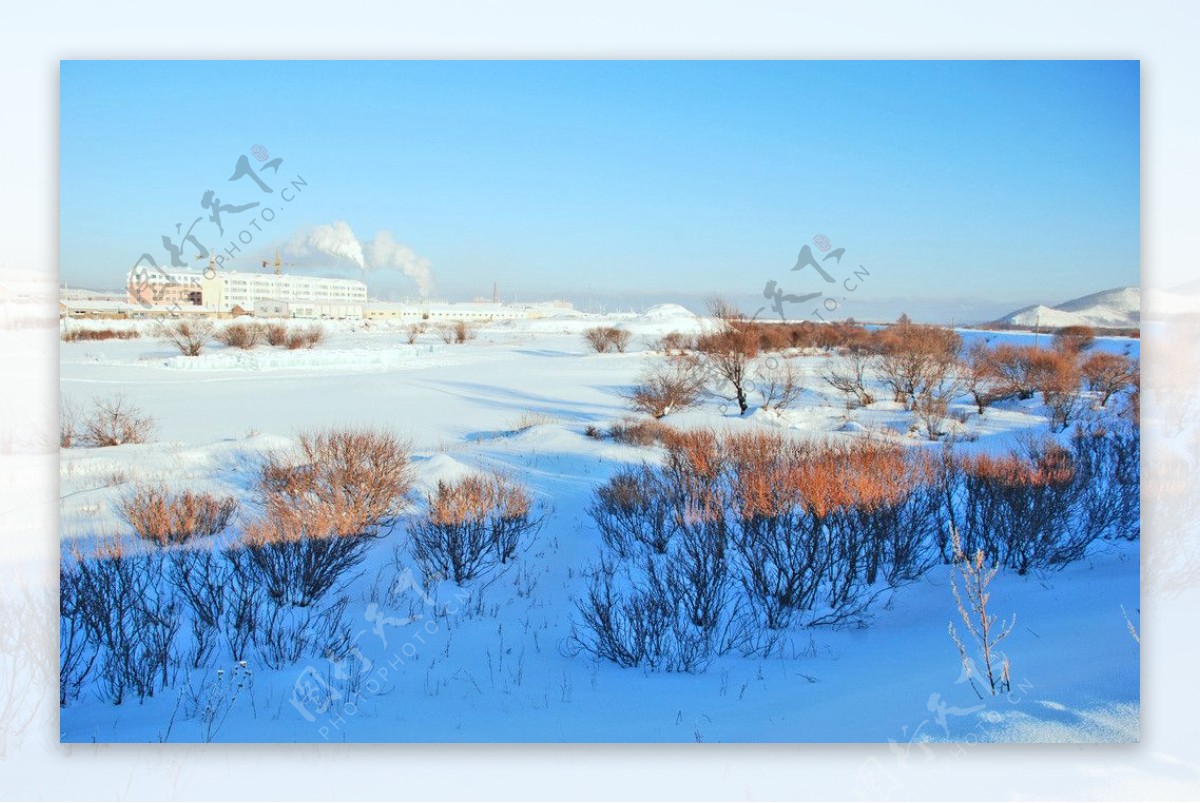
(463, 332)
(1133, 402)
(639, 432)
(1108, 475)
(1020, 508)
(1108, 374)
(203, 579)
(675, 616)
(297, 571)
(1056, 375)
(68, 423)
(728, 357)
(114, 421)
(604, 339)
(597, 338)
(413, 332)
(314, 335)
(772, 337)
(306, 337)
(445, 331)
(73, 335)
(188, 336)
(636, 510)
(739, 536)
(674, 343)
(276, 333)
(663, 595)
(287, 633)
(76, 654)
(1012, 368)
(620, 339)
(780, 384)
(534, 418)
(916, 359)
(931, 412)
(471, 526)
(816, 524)
(722, 309)
(982, 626)
(158, 515)
(321, 508)
(849, 377)
(981, 379)
(1074, 340)
(242, 335)
(695, 460)
(671, 385)
(780, 548)
(243, 599)
(894, 520)
(123, 602)
(339, 482)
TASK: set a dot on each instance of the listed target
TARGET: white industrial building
(262, 294)
(406, 311)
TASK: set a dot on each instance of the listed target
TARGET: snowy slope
(1118, 308)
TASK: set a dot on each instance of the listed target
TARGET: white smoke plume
(383, 253)
(336, 240)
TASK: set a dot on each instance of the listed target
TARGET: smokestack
(495, 293)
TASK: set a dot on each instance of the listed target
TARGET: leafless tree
(780, 384)
(671, 385)
(1108, 374)
(848, 375)
(728, 358)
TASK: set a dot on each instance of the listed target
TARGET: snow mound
(1120, 308)
(439, 468)
(673, 311)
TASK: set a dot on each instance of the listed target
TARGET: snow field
(492, 661)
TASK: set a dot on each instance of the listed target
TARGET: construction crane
(278, 263)
(212, 262)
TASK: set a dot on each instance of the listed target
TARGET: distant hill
(1118, 308)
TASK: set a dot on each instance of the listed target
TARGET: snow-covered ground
(493, 660)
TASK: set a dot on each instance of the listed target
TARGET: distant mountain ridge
(1120, 308)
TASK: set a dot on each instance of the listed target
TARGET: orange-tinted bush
(156, 514)
(242, 335)
(1108, 374)
(640, 432)
(1021, 508)
(72, 335)
(673, 385)
(341, 482)
(471, 525)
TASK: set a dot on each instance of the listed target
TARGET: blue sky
(964, 188)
